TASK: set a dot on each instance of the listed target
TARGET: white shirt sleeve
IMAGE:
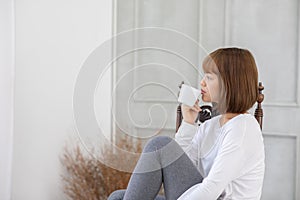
(185, 137)
(226, 167)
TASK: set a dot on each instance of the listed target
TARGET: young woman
(221, 159)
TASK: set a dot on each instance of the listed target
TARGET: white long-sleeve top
(231, 158)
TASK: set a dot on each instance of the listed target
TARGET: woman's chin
(206, 100)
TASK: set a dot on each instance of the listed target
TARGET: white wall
(53, 38)
(6, 95)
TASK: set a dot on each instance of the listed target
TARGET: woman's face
(210, 87)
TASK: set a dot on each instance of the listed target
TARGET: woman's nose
(202, 82)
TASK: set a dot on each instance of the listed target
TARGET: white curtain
(6, 94)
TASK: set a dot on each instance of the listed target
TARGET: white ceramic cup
(188, 95)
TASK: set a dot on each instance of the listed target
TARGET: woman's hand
(190, 114)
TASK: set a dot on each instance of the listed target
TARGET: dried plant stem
(87, 178)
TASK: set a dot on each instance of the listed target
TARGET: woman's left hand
(190, 114)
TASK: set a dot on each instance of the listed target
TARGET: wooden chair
(207, 111)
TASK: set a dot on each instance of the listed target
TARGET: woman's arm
(187, 137)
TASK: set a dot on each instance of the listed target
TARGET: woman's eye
(208, 77)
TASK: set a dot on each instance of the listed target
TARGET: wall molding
(294, 136)
(7, 92)
(228, 41)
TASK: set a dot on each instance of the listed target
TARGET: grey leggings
(162, 162)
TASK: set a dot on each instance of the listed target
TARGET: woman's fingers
(196, 107)
(190, 114)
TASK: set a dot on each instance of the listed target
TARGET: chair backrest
(207, 111)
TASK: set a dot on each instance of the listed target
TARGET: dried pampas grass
(87, 178)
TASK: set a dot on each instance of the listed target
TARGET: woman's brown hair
(238, 78)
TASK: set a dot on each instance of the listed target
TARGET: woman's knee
(117, 195)
(157, 143)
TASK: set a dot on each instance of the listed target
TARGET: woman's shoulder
(237, 122)
(242, 121)
(243, 126)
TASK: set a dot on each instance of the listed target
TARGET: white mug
(188, 95)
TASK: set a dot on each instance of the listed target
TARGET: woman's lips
(202, 91)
